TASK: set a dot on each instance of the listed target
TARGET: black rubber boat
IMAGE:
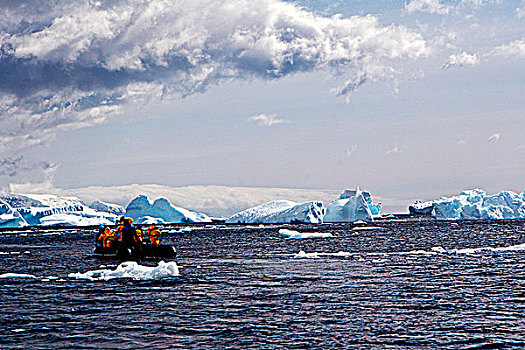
(146, 252)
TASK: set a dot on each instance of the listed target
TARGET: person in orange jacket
(105, 237)
(154, 235)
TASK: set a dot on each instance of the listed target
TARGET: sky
(407, 99)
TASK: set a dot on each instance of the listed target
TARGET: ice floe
(434, 251)
(16, 275)
(303, 235)
(133, 270)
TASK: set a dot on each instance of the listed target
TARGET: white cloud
(515, 48)
(430, 6)
(80, 61)
(267, 119)
(494, 138)
(462, 142)
(462, 59)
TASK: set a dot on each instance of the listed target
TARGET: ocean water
(392, 285)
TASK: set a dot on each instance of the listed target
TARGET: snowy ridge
(107, 207)
(281, 211)
(303, 235)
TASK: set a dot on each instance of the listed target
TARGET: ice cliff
(352, 205)
(281, 211)
(161, 211)
(475, 205)
(10, 217)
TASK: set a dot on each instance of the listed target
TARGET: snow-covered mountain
(108, 207)
(161, 211)
(281, 211)
(475, 205)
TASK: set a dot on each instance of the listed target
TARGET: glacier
(52, 210)
(161, 211)
(476, 205)
(281, 211)
(352, 205)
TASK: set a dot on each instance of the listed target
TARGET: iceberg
(281, 211)
(143, 211)
(352, 205)
(50, 210)
(10, 218)
(477, 205)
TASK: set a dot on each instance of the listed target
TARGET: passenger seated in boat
(154, 235)
(105, 238)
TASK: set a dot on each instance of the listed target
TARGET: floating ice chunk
(302, 235)
(133, 270)
(303, 255)
(17, 275)
(281, 211)
(367, 228)
(162, 209)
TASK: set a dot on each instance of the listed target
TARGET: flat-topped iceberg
(477, 205)
(352, 205)
(10, 218)
(281, 211)
(143, 211)
(51, 210)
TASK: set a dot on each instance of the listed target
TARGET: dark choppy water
(240, 288)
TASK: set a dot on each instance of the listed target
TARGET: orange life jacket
(107, 238)
(139, 236)
(154, 236)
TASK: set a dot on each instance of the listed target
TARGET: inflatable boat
(145, 252)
